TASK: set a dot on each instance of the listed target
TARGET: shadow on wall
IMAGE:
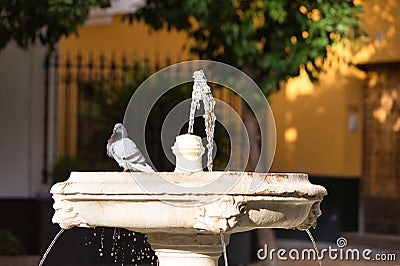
(319, 126)
(380, 20)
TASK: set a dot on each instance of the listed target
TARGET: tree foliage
(269, 39)
(25, 21)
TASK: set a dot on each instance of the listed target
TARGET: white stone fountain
(183, 226)
(185, 213)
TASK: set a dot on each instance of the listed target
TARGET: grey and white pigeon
(125, 151)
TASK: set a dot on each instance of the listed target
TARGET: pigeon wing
(126, 153)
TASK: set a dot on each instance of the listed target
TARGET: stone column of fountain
(187, 214)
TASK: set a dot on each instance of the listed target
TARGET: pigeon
(125, 151)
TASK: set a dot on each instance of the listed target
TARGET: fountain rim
(289, 200)
(285, 185)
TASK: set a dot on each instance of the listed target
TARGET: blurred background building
(344, 131)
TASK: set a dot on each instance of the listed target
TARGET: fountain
(187, 214)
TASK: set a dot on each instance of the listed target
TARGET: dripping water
(101, 249)
(224, 249)
(314, 245)
(50, 246)
(127, 247)
(115, 247)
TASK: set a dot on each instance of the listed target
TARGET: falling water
(201, 91)
(314, 245)
(50, 246)
(127, 247)
(115, 247)
(101, 249)
(224, 249)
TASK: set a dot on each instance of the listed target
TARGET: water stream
(315, 246)
(202, 92)
(50, 246)
(224, 249)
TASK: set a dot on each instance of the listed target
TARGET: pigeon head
(120, 130)
(118, 126)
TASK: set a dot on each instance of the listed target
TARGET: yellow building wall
(381, 21)
(137, 39)
(312, 121)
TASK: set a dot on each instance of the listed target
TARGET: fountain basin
(186, 222)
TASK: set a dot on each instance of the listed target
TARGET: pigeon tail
(140, 168)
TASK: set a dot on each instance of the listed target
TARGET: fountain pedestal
(182, 249)
(183, 214)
